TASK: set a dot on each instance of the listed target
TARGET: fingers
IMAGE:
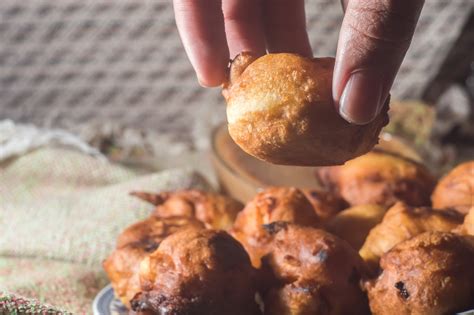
(243, 26)
(201, 27)
(214, 30)
(285, 26)
(373, 40)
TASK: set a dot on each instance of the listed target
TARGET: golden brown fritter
(467, 228)
(135, 243)
(280, 109)
(354, 224)
(272, 204)
(326, 204)
(195, 272)
(151, 231)
(122, 268)
(431, 273)
(456, 189)
(469, 222)
(314, 273)
(402, 222)
(214, 210)
(379, 178)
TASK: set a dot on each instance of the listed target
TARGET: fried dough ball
(280, 109)
(214, 210)
(431, 273)
(467, 228)
(272, 204)
(402, 222)
(469, 222)
(379, 178)
(325, 204)
(135, 243)
(354, 224)
(197, 271)
(456, 189)
(314, 273)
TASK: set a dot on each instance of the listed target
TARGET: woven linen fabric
(76, 64)
(16, 305)
(60, 213)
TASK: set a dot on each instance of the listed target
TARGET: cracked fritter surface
(214, 210)
(133, 245)
(456, 189)
(431, 273)
(271, 205)
(312, 272)
(379, 178)
(402, 222)
(197, 271)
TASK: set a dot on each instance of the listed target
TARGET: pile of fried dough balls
(381, 237)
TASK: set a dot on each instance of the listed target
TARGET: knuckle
(381, 21)
(242, 10)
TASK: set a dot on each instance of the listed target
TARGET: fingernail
(360, 101)
(201, 83)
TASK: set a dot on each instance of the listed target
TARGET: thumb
(374, 38)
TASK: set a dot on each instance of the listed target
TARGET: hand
(374, 37)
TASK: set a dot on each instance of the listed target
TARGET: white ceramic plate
(105, 303)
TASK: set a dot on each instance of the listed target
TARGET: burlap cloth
(60, 212)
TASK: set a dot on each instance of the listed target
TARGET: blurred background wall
(93, 66)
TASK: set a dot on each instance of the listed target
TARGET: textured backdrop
(87, 65)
